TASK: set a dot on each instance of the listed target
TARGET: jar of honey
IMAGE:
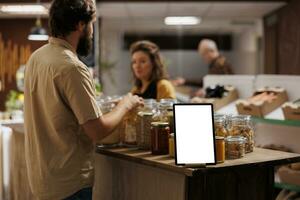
(171, 145)
(220, 149)
(160, 132)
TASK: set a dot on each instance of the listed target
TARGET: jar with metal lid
(220, 125)
(220, 149)
(149, 105)
(165, 112)
(241, 125)
(106, 105)
(160, 138)
(143, 125)
(235, 147)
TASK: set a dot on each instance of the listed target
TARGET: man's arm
(101, 127)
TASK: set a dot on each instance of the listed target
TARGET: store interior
(261, 41)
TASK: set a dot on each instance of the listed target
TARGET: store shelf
(286, 186)
(277, 121)
(275, 117)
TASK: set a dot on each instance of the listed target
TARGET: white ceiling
(216, 17)
(149, 17)
(227, 9)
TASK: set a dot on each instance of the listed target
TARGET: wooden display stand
(261, 109)
(131, 174)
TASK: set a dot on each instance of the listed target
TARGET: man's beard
(85, 43)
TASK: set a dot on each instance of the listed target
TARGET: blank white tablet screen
(194, 134)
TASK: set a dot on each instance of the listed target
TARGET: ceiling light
(24, 9)
(186, 20)
(38, 33)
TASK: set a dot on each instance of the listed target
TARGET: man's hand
(101, 127)
(130, 102)
(178, 81)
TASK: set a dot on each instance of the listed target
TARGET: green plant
(106, 67)
(14, 101)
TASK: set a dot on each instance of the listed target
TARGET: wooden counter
(131, 174)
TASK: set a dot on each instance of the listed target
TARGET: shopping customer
(62, 119)
(218, 64)
(150, 77)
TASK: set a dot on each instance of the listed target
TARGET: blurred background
(256, 36)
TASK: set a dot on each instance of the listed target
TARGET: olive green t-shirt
(59, 98)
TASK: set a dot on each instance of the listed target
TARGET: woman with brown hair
(150, 78)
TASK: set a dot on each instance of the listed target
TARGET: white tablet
(194, 134)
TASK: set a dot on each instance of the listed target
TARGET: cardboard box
(220, 102)
(288, 175)
(262, 108)
(291, 111)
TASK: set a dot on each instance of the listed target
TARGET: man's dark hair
(64, 15)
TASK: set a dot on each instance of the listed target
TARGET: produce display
(149, 128)
(260, 97)
(291, 110)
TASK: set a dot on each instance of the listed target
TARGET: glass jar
(235, 147)
(220, 149)
(165, 112)
(220, 125)
(129, 137)
(172, 145)
(241, 125)
(106, 105)
(160, 138)
(143, 125)
(149, 105)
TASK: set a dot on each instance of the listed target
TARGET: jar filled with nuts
(143, 124)
(241, 125)
(235, 147)
(220, 125)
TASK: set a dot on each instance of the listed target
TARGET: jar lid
(167, 103)
(149, 101)
(141, 113)
(219, 138)
(168, 100)
(160, 124)
(240, 117)
(237, 138)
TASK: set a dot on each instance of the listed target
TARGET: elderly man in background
(218, 64)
